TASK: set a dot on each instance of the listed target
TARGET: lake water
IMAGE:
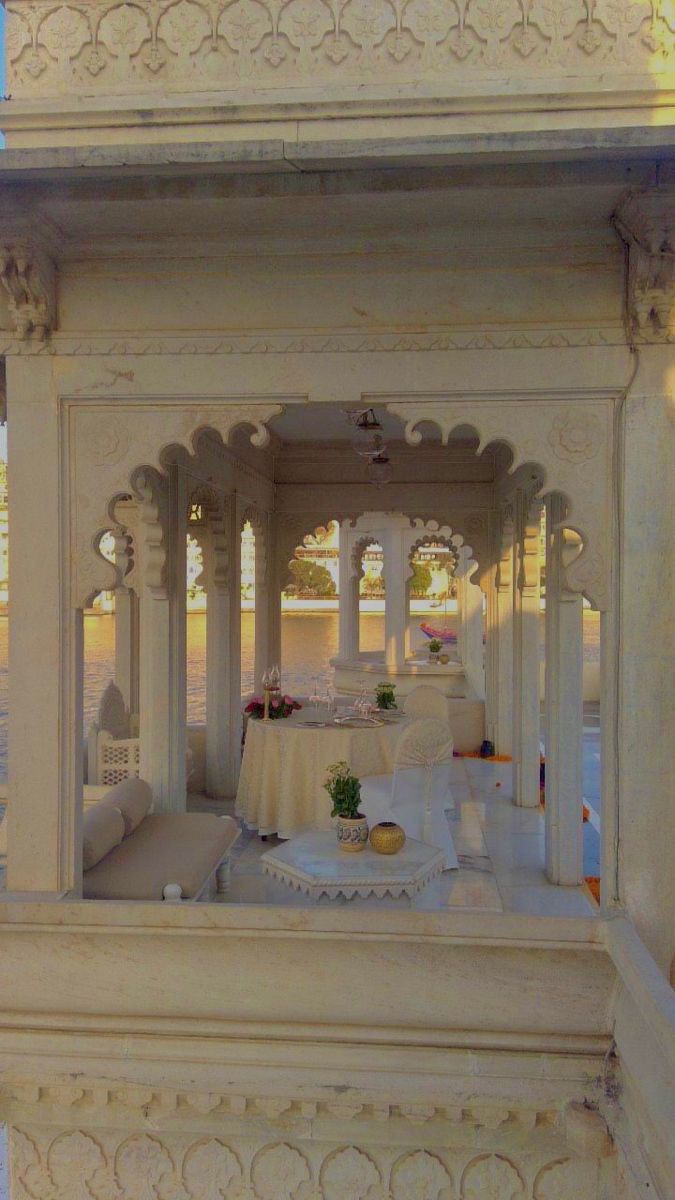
(308, 642)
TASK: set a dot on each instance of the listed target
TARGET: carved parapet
(156, 47)
(28, 277)
(645, 221)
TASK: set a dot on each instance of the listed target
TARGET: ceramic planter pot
(387, 838)
(352, 833)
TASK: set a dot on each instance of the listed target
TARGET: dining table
(285, 764)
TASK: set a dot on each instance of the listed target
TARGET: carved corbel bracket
(644, 221)
(28, 276)
(152, 528)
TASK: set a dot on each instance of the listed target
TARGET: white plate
(358, 722)
(310, 724)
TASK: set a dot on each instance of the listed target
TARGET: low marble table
(313, 863)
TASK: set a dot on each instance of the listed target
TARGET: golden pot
(444, 659)
(387, 838)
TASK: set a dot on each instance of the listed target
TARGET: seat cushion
(133, 798)
(102, 830)
(183, 848)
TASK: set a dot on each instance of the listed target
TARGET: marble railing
(436, 47)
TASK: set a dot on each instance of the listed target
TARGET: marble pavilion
(221, 226)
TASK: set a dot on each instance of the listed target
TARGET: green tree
(310, 579)
(420, 580)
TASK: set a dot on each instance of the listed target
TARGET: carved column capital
(644, 221)
(28, 276)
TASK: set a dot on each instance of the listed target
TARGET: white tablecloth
(284, 768)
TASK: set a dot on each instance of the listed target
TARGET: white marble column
(491, 657)
(564, 706)
(503, 602)
(45, 647)
(526, 687)
(471, 626)
(396, 571)
(163, 700)
(267, 600)
(216, 550)
(348, 581)
(127, 646)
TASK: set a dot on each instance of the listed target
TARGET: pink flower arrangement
(280, 706)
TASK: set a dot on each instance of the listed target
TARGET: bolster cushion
(102, 830)
(133, 798)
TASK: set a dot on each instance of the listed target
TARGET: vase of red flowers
(279, 707)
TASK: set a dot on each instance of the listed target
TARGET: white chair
(426, 701)
(416, 794)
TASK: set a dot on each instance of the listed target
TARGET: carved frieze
(99, 345)
(104, 1164)
(646, 223)
(154, 46)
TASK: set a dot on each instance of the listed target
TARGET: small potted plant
(435, 647)
(344, 790)
(385, 695)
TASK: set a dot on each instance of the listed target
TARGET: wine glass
(315, 700)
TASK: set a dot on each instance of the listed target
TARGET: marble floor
(500, 850)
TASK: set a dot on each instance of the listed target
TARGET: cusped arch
(125, 447)
(565, 444)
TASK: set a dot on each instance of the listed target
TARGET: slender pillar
(163, 700)
(267, 600)
(217, 553)
(396, 571)
(471, 623)
(503, 602)
(526, 687)
(127, 646)
(491, 657)
(45, 647)
(564, 706)
(349, 598)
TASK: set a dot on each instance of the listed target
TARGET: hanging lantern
(379, 470)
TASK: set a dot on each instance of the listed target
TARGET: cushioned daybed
(132, 854)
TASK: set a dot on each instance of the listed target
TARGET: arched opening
(274, 577)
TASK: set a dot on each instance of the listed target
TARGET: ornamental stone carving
(108, 1164)
(575, 436)
(277, 1172)
(552, 440)
(108, 47)
(121, 448)
(28, 277)
(349, 1174)
(492, 1177)
(420, 1176)
(567, 1180)
(645, 222)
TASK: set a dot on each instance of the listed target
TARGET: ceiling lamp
(379, 469)
(367, 437)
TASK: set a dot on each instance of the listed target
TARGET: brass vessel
(387, 838)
